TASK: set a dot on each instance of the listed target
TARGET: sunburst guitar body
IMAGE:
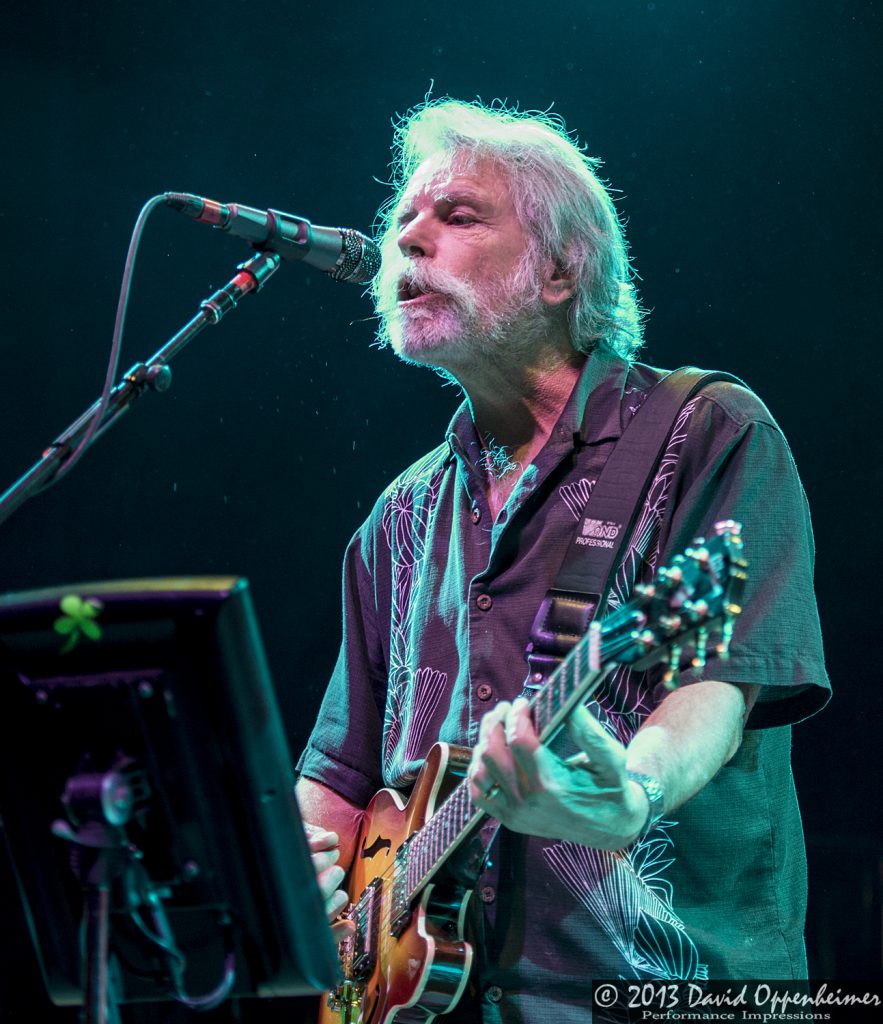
(408, 960)
(421, 972)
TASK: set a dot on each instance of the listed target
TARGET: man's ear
(558, 284)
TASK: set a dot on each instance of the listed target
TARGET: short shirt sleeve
(737, 465)
(343, 751)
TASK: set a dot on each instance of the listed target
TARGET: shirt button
(484, 602)
(476, 514)
(484, 692)
(493, 993)
(487, 894)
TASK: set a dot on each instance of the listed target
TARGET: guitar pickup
(367, 920)
(401, 906)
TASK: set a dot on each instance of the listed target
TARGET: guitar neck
(699, 588)
(458, 819)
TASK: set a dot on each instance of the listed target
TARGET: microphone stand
(154, 374)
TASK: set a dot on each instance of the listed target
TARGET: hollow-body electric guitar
(415, 861)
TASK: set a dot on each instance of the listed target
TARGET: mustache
(431, 279)
(427, 278)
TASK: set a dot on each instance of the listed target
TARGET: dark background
(740, 137)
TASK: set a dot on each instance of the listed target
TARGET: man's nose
(416, 238)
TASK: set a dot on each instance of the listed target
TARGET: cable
(163, 937)
(116, 345)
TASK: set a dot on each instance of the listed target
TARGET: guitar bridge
(358, 953)
(346, 997)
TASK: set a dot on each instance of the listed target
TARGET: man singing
(670, 847)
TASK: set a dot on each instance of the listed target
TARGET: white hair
(568, 212)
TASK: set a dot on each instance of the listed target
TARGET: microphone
(343, 253)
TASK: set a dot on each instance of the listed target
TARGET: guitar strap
(605, 526)
(607, 522)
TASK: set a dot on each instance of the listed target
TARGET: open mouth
(410, 292)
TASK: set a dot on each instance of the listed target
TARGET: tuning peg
(728, 528)
(723, 648)
(699, 553)
(670, 576)
(670, 624)
(697, 610)
(699, 657)
(646, 639)
(670, 676)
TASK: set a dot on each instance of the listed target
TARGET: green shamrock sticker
(78, 619)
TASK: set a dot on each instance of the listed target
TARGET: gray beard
(481, 333)
(477, 323)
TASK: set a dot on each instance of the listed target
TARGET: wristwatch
(655, 797)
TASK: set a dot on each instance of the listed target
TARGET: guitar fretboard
(699, 588)
(458, 818)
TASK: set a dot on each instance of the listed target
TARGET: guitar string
(453, 817)
(434, 838)
(425, 851)
(457, 811)
(446, 817)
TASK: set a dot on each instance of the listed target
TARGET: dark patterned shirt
(439, 599)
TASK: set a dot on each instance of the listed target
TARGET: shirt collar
(591, 415)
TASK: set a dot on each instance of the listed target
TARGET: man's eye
(461, 218)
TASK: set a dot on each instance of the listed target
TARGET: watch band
(655, 797)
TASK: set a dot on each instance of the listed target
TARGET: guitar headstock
(691, 603)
